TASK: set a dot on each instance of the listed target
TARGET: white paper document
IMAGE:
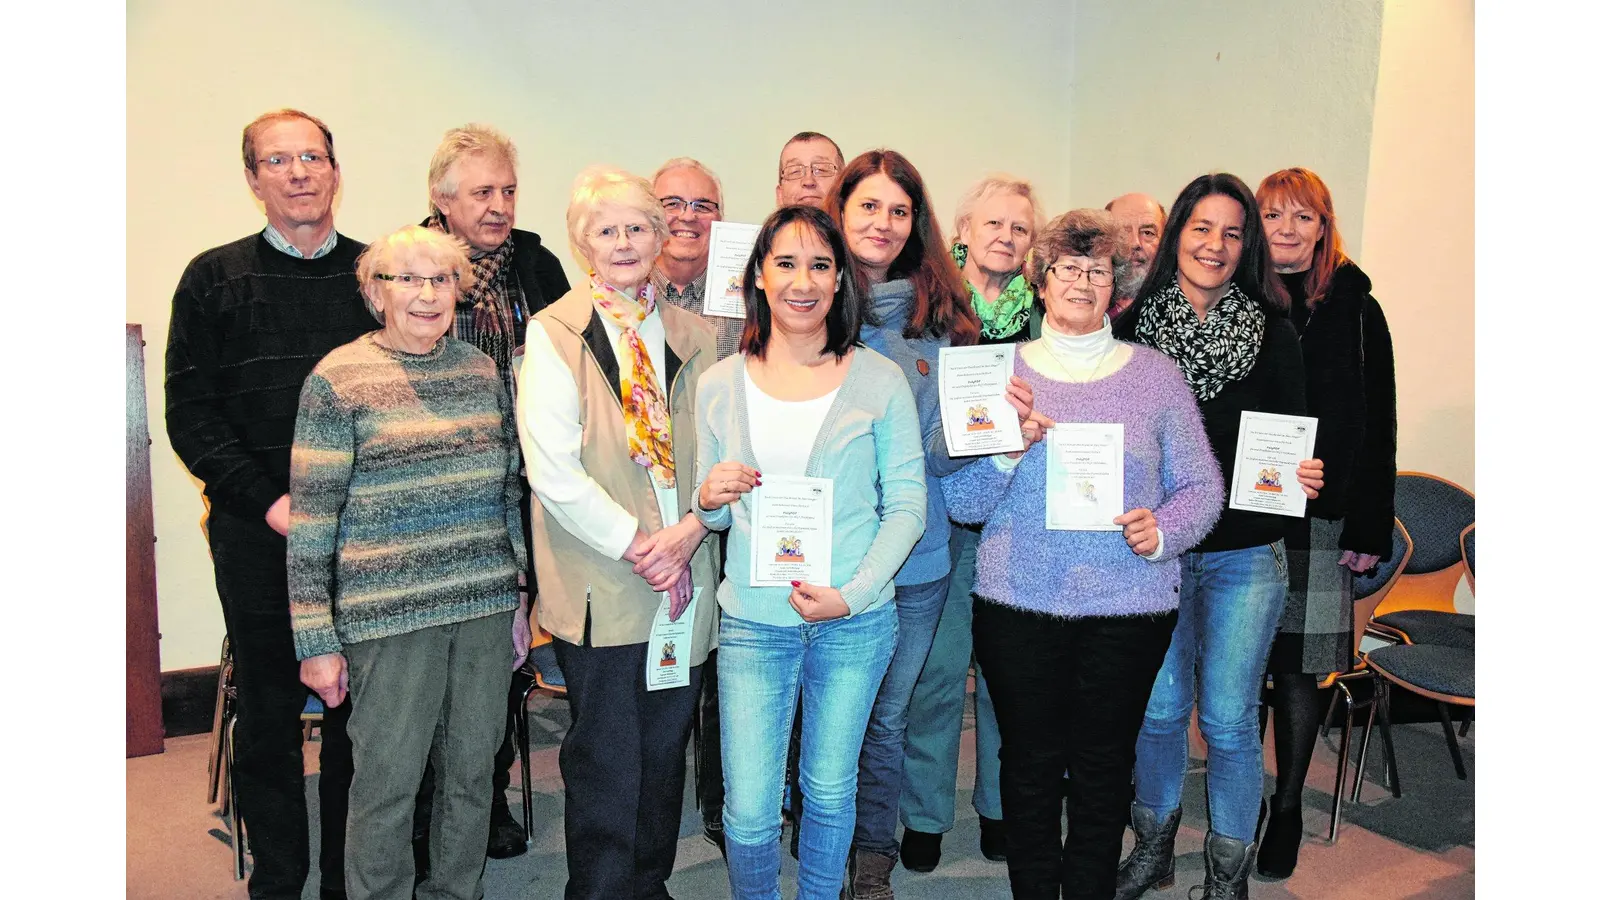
(792, 538)
(972, 400)
(1083, 477)
(731, 243)
(666, 660)
(1270, 449)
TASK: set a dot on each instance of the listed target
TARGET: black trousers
(622, 764)
(708, 750)
(252, 582)
(1069, 694)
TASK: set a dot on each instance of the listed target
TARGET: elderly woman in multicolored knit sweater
(1071, 626)
(405, 553)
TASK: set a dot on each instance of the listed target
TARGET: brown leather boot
(867, 877)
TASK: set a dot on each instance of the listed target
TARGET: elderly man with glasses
(249, 320)
(808, 168)
(692, 196)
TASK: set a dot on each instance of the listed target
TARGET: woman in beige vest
(606, 416)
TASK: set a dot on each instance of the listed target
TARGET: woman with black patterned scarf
(1212, 304)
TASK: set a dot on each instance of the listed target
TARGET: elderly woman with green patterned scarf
(996, 223)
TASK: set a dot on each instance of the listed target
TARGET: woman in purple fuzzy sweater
(1071, 627)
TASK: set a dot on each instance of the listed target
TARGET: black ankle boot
(1279, 851)
(920, 850)
(992, 839)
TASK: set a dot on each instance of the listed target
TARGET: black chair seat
(1439, 670)
(1429, 626)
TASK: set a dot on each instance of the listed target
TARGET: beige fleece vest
(575, 579)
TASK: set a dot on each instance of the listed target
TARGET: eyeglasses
(405, 281)
(635, 233)
(1067, 274)
(678, 205)
(797, 171)
(279, 163)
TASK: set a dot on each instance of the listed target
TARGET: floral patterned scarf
(644, 405)
(1007, 315)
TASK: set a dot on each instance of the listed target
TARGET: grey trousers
(437, 693)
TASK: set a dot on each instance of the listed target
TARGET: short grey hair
(607, 184)
(994, 185)
(409, 242)
(686, 162)
(471, 139)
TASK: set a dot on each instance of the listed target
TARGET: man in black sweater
(249, 321)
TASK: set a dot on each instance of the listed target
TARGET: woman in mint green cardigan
(804, 398)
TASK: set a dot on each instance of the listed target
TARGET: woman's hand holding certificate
(727, 482)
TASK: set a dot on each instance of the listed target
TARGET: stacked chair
(1428, 645)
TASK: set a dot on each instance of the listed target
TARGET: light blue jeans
(837, 667)
(884, 748)
(1228, 612)
(933, 717)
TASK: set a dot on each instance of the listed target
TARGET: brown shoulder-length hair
(940, 304)
(1302, 186)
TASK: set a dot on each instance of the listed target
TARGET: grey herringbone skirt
(1314, 635)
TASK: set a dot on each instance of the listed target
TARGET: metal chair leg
(520, 720)
(1344, 756)
(1366, 742)
(1388, 737)
(1450, 739)
(1466, 723)
(235, 823)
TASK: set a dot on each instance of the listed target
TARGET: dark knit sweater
(1276, 384)
(248, 323)
(404, 493)
(1349, 360)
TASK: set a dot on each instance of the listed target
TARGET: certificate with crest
(978, 420)
(1271, 447)
(666, 659)
(791, 538)
(731, 243)
(1083, 476)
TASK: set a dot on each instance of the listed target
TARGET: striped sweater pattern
(404, 495)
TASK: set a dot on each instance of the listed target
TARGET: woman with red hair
(1349, 364)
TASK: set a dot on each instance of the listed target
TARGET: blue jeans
(1228, 612)
(837, 667)
(933, 717)
(883, 750)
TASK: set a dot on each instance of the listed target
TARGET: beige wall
(1165, 91)
(1419, 240)
(1080, 97)
(629, 82)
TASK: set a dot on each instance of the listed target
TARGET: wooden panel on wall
(145, 730)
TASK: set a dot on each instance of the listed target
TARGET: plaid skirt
(1314, 636)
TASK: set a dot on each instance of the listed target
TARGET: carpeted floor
(1417, 846)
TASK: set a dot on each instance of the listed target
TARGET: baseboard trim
(188, 700)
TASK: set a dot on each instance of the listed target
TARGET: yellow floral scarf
(644, 405)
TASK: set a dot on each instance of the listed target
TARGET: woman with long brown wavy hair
(917, 303)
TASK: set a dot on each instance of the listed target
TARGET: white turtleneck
(1076, 358)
